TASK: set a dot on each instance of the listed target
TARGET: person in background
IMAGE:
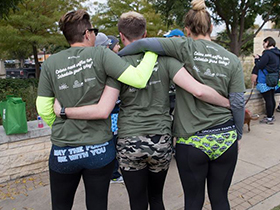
(207, 135)
(77, 76)
(112, 43)
(144, 147)
(270, 59)
(174, 33)
(102, 40)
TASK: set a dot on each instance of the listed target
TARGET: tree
(106, 16)
(6, 5)
(35, 26)
(237, 15)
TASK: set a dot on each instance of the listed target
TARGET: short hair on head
(132, 25)
(73, 24)
(198, 20)
(271, 41)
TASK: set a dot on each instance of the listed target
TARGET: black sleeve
(143, 45)
(237, 106)
(262, 62)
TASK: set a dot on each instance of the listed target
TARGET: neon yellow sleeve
(45, 109)
(139, 76)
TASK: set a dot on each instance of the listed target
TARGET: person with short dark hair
(270, 60)
(77, 76)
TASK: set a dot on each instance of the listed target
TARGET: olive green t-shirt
(77, 77)
(210, 64)
(146, 111)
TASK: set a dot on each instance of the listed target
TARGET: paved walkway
(255, 185)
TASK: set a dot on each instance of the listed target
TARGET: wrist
(63, 113)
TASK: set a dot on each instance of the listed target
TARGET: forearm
(143, 45)
(89, 112)
(237, 106)
(199, 90)
(211, 96)
(139, 76)
(102, 110)
(45, 109)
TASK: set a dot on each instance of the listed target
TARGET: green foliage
(107, 15)
(6, 6)
(246, 49)
(24, 88)
(34, 26)
(276, 208)
(172, 11)
(238, 17)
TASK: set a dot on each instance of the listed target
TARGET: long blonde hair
(198, 20)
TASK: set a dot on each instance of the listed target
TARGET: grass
(276, 208)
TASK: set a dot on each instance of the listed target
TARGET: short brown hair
(132, 25)
(198, 20)
(73, 24)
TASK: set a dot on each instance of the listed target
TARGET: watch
(63, 114)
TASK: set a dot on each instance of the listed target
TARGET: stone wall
(256, 103)
(24, 154)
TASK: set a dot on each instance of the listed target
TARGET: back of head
(113, 41)
(101, 40)
(198, 20)
(270, 41)
(73, 25)
(132, 25)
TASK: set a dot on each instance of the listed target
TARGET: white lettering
(78, 156)
(75, 150)
(59, 152)
(62, 159)
(98, 151)
(65, 74)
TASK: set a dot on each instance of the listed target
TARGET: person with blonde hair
(144, 146)
(77, 76)
(207, 135)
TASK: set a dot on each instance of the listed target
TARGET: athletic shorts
(213, 141)
(138, 152)
(69, 160)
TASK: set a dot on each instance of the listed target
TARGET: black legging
(269, 102)
(195, 168)
(96, 182)
(145, 187)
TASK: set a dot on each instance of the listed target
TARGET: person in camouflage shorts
(138, 152)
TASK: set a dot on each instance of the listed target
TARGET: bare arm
(101, 110)
(199, 90)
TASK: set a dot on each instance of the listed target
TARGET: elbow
(104, 114)
(198, 94)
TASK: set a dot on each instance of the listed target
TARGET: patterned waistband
(225, 127)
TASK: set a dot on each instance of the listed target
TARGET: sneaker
(117, 180)
(278, 109)
(267, 121)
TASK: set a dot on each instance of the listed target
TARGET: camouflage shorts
(152, 151)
